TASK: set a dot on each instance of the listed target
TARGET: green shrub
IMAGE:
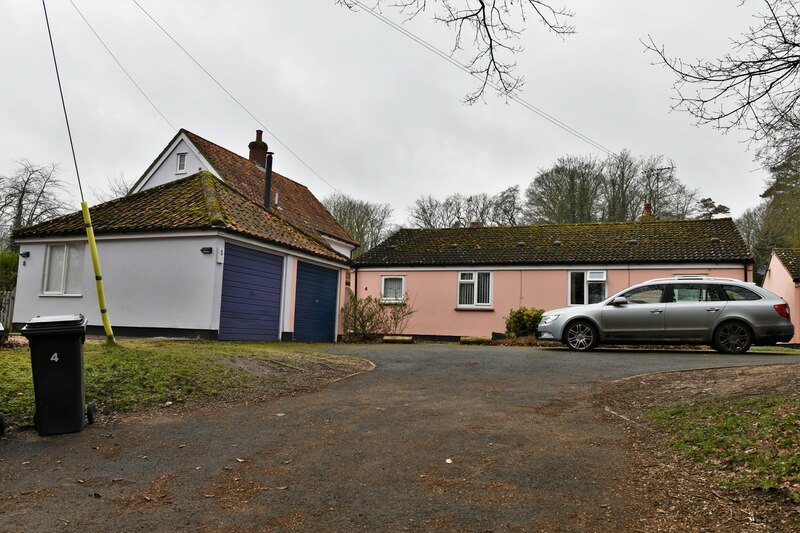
(8, 270)
(523, 322)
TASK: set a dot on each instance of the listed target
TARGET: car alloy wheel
(581, 336)
(733, 337)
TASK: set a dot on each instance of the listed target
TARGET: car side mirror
(619, 300)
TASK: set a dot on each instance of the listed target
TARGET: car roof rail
(692, 277)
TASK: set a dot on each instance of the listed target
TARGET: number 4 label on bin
(54, 357)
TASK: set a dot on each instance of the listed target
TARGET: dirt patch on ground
(688, 496)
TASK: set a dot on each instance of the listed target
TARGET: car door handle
(712, 309)
(656, 311)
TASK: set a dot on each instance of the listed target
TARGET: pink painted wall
(779, 281)
(433, 293)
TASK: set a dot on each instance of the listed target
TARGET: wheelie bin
(56, 344)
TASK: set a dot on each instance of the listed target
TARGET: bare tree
(756, 86)
(567, 192)
(29, 196)
(751, 228)
(491, 28)
(621, 198)
(428, 212)
(507, 208)
(117, 186)
(658, 184)
(368, 223)
(459, 211)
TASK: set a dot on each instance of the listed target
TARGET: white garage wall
(155, 282)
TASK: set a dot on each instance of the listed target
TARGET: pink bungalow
(783, 278)
(464, 281)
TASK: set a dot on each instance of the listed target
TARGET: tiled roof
(198, 202)
(790, 257)
(688, 241)
(296, 203)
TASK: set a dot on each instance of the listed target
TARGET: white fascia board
(337, 241)
(634, 266)
(166, 154)
(120, 237)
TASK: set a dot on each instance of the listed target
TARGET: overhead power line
(232, 97)
(121, 67)
(527, 105)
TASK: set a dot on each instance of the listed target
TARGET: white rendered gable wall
(166, 171)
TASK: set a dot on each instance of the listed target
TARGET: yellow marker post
(101, 295)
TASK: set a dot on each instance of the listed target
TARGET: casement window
(63, 269)
(181, 167)
(587, 287)
(392, 288)
(474, 289)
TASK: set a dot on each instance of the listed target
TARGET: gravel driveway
(437, 437)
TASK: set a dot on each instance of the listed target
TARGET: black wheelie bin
(56, 344)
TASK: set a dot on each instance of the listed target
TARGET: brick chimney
(476, 224)
(258, 150)
(648, 210)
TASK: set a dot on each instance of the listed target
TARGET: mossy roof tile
(197, 202)
(790, 257)
(609, 243)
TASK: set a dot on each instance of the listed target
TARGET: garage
(315, 303)
(251, 295)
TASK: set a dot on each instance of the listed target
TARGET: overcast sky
(376, 115)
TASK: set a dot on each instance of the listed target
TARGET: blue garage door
(315, 303)
(251, 295)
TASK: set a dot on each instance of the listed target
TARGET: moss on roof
(197, 202)
(790, 257)
(687, 241)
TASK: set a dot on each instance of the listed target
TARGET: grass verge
(752, 442)
(140, 374)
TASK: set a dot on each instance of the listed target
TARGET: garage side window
(392, 288)
(587, 287)
(63, 269)
(474, 289)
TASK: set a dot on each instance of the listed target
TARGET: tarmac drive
(437, 437)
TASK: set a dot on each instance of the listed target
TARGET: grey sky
(376, 115)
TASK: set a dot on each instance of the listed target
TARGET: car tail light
(783, 310)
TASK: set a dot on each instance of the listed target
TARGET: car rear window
(734, 292)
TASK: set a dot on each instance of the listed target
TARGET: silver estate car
(728, 314)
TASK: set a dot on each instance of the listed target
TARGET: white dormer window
(181, 168)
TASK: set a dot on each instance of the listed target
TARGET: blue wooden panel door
(251, 295)
(315, 303)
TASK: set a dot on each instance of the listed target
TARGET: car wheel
(580, 336)
(732, 337)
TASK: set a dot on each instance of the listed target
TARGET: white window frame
(180, 167)
(589, 276)
(65, 268)
(390, 299)
(474, 283)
